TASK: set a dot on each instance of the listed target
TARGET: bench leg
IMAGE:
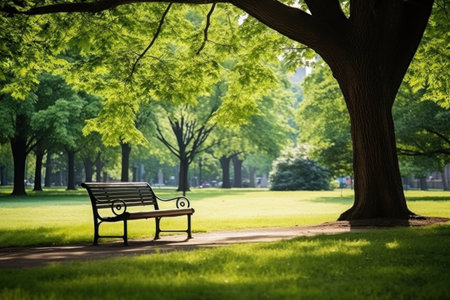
(189, 227)
(96, 226)
(157, 229)
(125, 232)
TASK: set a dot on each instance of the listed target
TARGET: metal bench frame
(119, 196)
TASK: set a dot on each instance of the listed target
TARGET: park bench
(124, 201)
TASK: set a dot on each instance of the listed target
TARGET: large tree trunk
(126, 150)
(38, 170)
(225, 163)
(18, 148)
(378, 185)
(71, 170)
(237, 166)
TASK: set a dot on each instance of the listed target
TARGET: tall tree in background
(368, 51)
(187, 130)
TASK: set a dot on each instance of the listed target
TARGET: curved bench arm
(182, 202)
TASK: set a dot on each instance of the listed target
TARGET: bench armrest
(181, 201)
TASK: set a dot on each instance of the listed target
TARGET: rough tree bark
(368, 51)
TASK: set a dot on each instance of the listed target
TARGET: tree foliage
(324, 124)
(428, 72)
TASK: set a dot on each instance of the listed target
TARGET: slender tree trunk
(71, 170)
(38, 170)
(48, 170)
(444, 180)
(98, 168)
(237, 164)
(126, 150)
(134, 173)
(200, 175)
(423, 184)
(183, 182)
(225, 163)
(2, 175)
(252, 171)
(88, 168)
(18, 148)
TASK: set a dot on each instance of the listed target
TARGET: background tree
(423, 132)
(428, 72)
(5, 163)
(324, 126)
(189, 127)
(15, 125)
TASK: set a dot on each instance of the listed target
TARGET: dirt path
(25, 257)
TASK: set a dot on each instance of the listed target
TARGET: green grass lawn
(56, 216)
(400, 263)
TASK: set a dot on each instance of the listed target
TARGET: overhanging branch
(89, 7)
(155, 36)
(205, 32)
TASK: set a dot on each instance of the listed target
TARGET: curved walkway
(25, 257)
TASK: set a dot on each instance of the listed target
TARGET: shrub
(295, 173)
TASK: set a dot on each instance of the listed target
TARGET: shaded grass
(404, 263)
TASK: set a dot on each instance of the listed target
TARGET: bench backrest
(131, 193)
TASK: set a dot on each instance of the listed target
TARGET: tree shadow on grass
(37, 237)
(428, 198)
(405, 263)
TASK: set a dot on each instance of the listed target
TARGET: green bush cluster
(299, 174)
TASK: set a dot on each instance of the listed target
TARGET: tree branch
(408, 152)
(440, 135)
(161, 138)
(205, 32)
(89, 7)
(155, 36)
(289, 21)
